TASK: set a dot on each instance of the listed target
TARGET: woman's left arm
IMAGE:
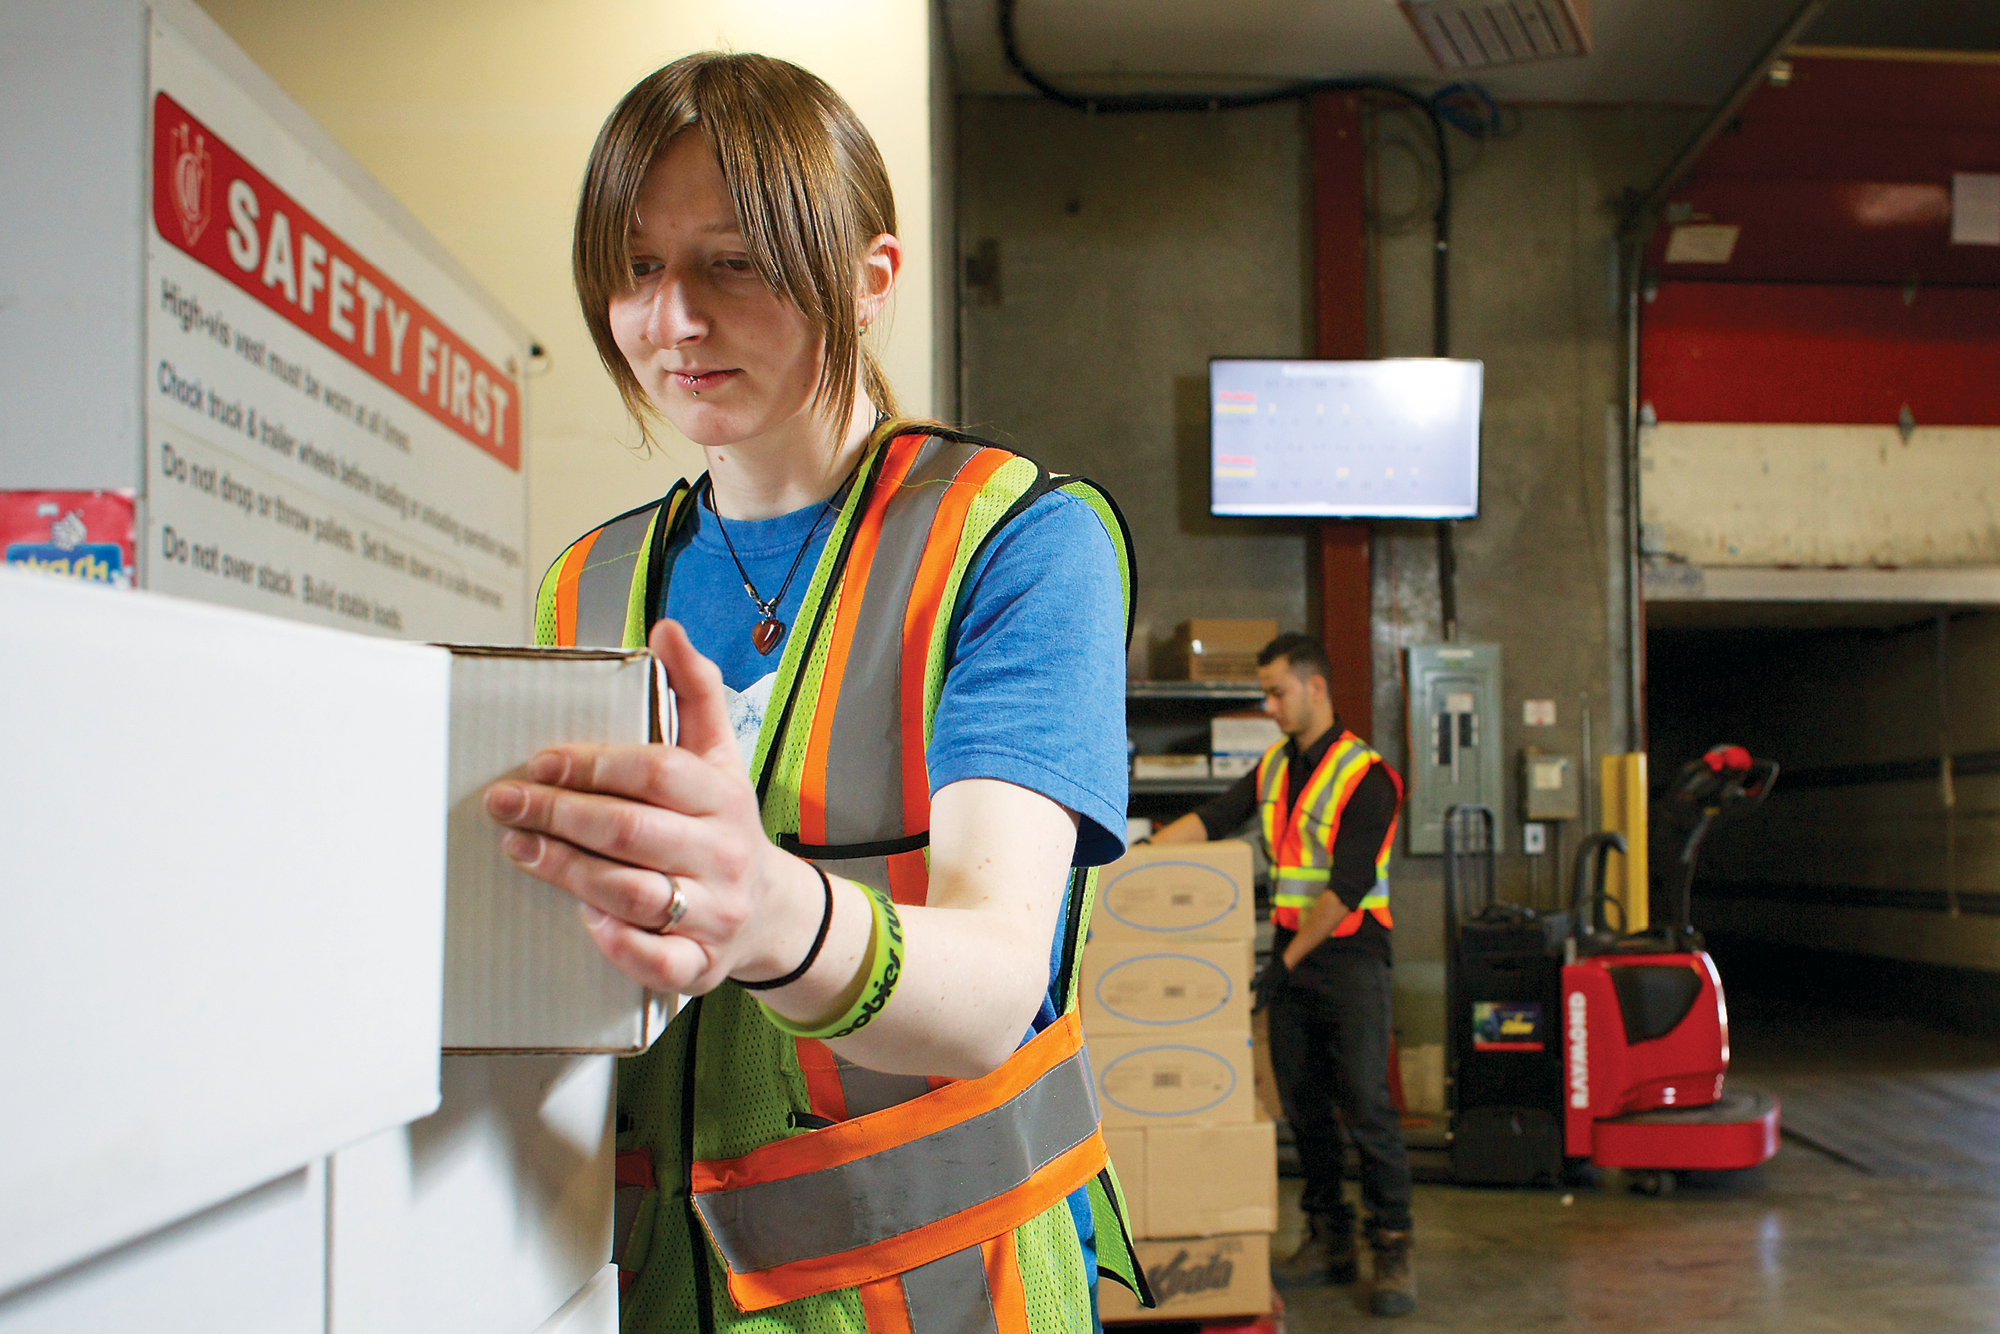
(978, 960)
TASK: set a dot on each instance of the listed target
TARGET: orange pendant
(767, 634)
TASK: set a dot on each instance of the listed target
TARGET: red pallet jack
(1645, 1029)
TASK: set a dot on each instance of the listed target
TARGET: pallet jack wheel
(1653, 1183)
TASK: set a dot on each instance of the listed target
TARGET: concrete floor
(1806, 1243)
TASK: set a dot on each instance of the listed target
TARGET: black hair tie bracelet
(812, 955)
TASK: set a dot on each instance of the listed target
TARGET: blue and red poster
(84, 535)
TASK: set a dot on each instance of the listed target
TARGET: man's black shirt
(1364, 824)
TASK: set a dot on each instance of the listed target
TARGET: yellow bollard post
(1624, 789)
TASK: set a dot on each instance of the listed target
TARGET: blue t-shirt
(1034, 692)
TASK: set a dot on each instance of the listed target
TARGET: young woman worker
(899, 658)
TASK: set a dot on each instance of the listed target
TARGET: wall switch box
(1549, 788)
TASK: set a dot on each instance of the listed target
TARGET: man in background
(1326, 806)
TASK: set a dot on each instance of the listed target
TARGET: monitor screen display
(1390, 439)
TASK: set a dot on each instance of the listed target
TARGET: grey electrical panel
(1455, 741)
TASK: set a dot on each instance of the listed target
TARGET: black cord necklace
(769, 632)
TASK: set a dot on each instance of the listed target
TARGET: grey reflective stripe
(866, 1091)
(906, 1186)
(604, 588)
(950, 1296)
(862, 870)
(866, 744)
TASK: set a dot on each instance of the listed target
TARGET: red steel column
(1340, 308)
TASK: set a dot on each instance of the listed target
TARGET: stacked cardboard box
(1215, 649)
(1166, 1010)
(1236, 741)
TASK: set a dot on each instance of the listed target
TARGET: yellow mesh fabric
(1085, 884)
(1115, 1259)
(1101, 506)
(1050, 1261)
(635, 597)
(545, 602)
(747, 1086)
(1006, 486)
(781, 802)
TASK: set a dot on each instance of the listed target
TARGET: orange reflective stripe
(757, 1234)
(1003, 1285)
(1389, 839)
(910, 874)
(885, 1308)
(1352, 922)
(572, 570)
(824, 1094)
(851, 1141)
(971, 1227)
(633, 1167)
(920, 620)
(902, 452)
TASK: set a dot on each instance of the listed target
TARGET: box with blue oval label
(1196, 1076)
(1136, 986)
(1177, 892)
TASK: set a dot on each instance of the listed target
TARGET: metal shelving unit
(1174, 787)
(1246, 692)
(1171, 718)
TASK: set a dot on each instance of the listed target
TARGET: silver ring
(677, 907)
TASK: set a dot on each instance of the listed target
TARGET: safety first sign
(334, 416)
(280, 254)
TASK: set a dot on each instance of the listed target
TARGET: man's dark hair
(1305, 654)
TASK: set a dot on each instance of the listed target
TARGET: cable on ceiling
(1464, 106)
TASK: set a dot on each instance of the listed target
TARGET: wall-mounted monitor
(1390, 439)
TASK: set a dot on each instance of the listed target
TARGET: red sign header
(210, 203)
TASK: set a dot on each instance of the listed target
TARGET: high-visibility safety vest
(820, 1197)
(1301, 847)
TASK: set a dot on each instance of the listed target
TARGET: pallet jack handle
(1592, 858)
(1723, 786)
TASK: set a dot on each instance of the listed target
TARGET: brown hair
(1305, 655)
(810, 192)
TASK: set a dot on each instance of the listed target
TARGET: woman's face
(722, 356)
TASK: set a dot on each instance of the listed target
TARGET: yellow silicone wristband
(885, 970)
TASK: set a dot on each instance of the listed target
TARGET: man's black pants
(1330, 1028)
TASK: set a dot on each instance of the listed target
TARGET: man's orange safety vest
(1301, 845)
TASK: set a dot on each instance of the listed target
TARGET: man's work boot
(1395, 1290)
(1328, 1255)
